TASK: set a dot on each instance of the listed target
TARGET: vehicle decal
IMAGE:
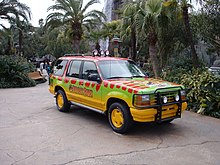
(81, 82)
(87, 84)
(133, 86)
(93, 85)
(98, 87)
(60, 78)
(66, 80)
(81, 91)
(130, 90)
(124, 88)
(105, 84)
(73, 81)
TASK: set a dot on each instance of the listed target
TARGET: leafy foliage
(13, 8)
(73, 17)
(208, 25)
(204, 93)
(13, 72)
(203, 87)
(176, 68)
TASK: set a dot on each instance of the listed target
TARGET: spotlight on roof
(107, 53)
(95, 53)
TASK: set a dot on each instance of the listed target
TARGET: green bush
(204, 87)
(204, 92)
(176, 68)
(13, 72)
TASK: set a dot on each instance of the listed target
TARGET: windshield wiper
(117, 77)
(139, 76)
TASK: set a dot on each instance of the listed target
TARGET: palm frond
(90, 3)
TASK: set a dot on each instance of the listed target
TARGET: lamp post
(115, 41)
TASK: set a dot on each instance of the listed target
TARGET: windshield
(120, 69)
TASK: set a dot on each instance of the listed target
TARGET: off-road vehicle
(116, 87)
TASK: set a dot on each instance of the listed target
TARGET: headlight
(177, 97)
(141, 100)
(165, 99)
(183, 94)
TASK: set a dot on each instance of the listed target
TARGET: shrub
(176, 68)
(204, 87)
(204, 92)
(13, 72)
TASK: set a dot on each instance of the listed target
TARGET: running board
(87, 107)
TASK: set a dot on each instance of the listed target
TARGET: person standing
(48, 67)
(41, 67)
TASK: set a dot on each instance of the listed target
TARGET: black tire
(62, 103)
(121, 112)
(168, 121)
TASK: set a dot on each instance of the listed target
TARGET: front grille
(170, 97)
(170, 109)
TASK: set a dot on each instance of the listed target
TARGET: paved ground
(33, 132)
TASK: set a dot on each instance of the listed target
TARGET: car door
(81, 90)
(73, 92)
(92, 93)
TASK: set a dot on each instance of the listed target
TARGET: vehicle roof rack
(78, 54)
(94, 54)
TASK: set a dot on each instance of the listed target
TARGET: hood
(143, 85)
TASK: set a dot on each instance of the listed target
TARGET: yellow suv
(116, 87)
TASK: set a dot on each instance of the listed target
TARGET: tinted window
(59, 67)
(74, 68)
(88, 68)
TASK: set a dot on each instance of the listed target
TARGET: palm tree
(147, 22)
(74, 17)
(21, 28)
(128, 25)
(171, 36)
(16, 13)
(185, 6)
(13, 8)
(6, 37)
(110, 29)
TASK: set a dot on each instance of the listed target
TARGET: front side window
(88, 69)
(74, 68)
(111, 69)
(59, 67)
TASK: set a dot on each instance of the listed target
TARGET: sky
(39, 8)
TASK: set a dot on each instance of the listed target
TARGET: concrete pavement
(33, 132)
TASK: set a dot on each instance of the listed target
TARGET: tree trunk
(133, 45)
(153, 53)
(76, 45)
(77, 36)
(8, 50)
(20, 42)
(189, 36)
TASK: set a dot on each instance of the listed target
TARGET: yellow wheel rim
(117, 118)
(60, 101)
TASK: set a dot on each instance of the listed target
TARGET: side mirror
(94, 77)
(147, 74)
(59, 67)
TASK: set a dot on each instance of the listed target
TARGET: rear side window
(59, 67)
(88, 69)
(74, 69)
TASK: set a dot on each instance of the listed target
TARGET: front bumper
(159, 113)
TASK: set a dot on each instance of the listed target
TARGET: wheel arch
(59, 88)
(114, 100)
